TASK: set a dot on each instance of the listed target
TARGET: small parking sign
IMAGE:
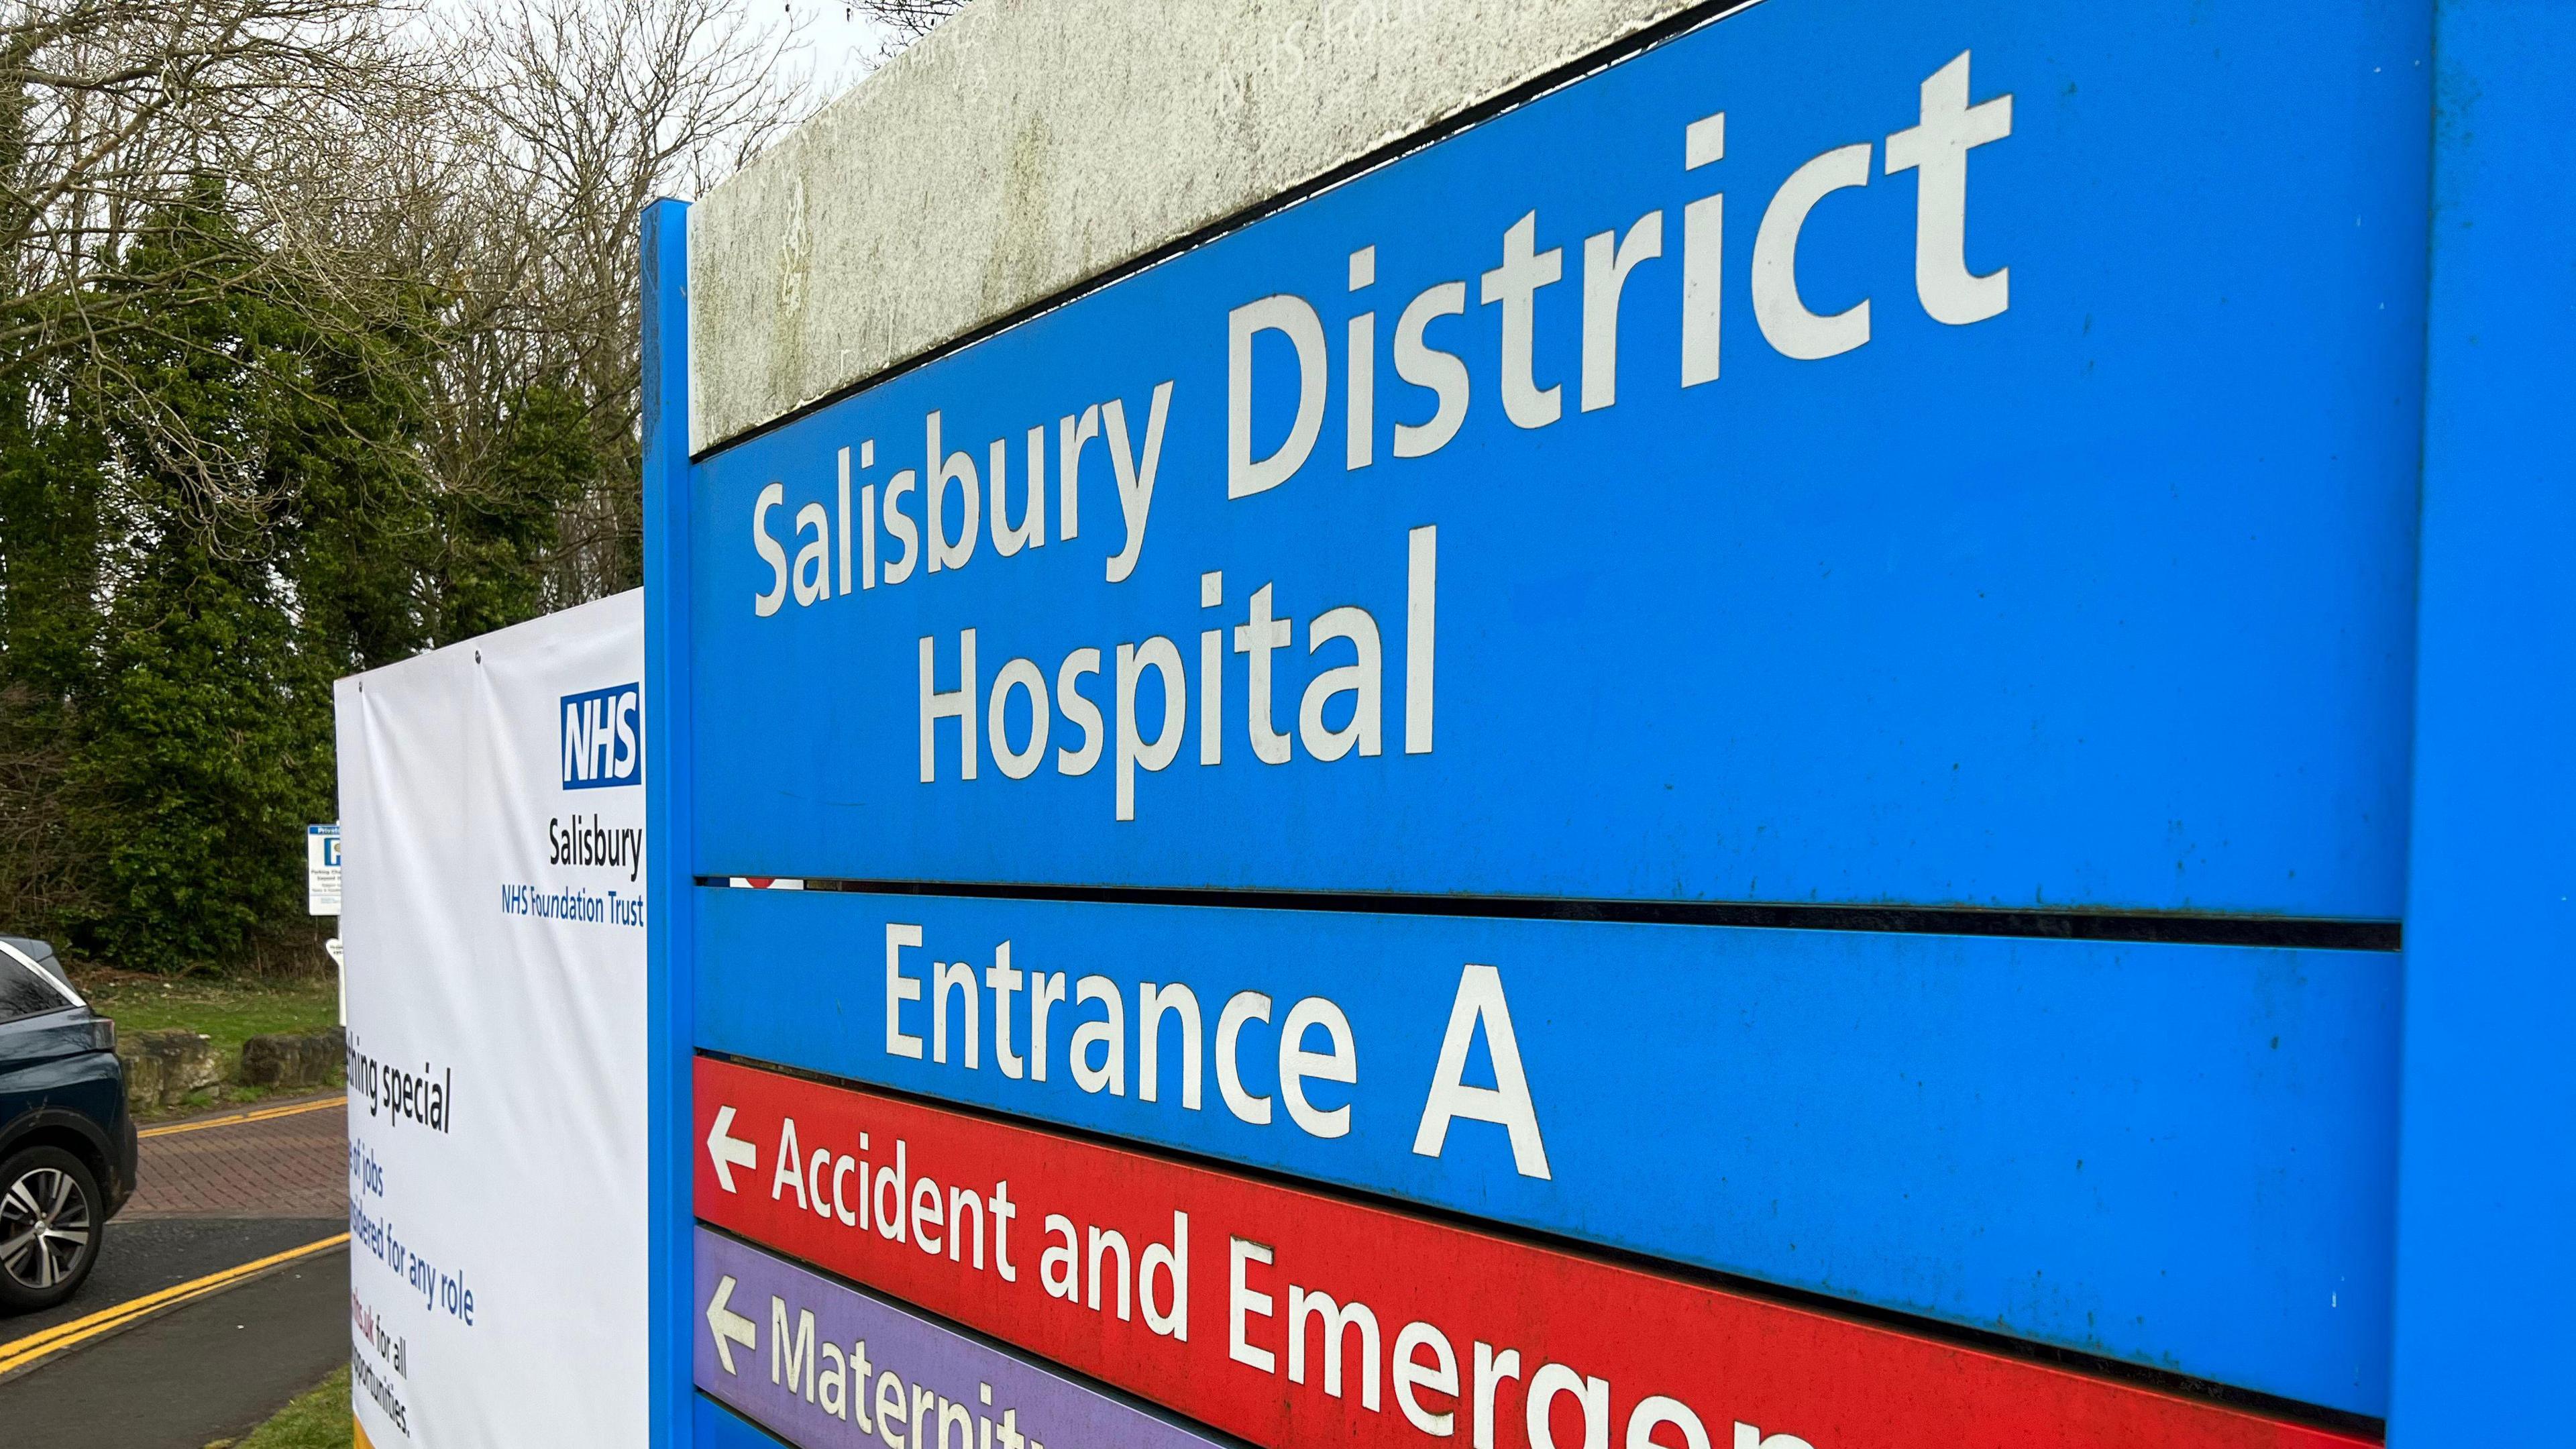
(322, 870)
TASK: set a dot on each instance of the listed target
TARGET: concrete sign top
(968, 181)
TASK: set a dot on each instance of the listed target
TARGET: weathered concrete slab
(161, 1067)
(1029, 145)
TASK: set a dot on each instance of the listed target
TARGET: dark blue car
(66, 1141)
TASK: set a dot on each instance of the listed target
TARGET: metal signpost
(1772, 744)
(322, 896)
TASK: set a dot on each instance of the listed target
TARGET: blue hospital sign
(1748, 475)
(1799, 658)
(603, 737)
(1798, 465)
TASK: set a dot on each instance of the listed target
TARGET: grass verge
(317, 1419)
(228, 1011)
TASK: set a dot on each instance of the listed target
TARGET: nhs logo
(603, 737)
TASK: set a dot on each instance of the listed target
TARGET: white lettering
(955, 978)
(1031, 532)
(899, 523)
(1480, 1003)
(1703, 255)
(959, 468)
(790, 1171)
(1605, 276)
(1242, 1302)
(1109, 1033)
(1104, 1241)
(1297, 1065)
(1421, 634)
(1359, 392)
(1243, 1006)
(1937, 152)
(1153, 1003)
(841, 519)
(1211, 674)
(957, 704)
(771, 552)
(1440, 1377)
(1785, 321)
(1173, 1262)
(1491, 1369)
(1425, 366)
(1335, 1320)
(799, 1353)
(1005, 980)
(1515, 286)
(1653, 1412)
(1046, 991)
(1079, 711)
(1059, 1267)
(1070, 436)
(1593, 1394)
(1292, 317)
(813, 559)
(1360, 679)
(900, 989)
(1135, 478)
(1164, 658)
(1255, 638)
(1022, 675)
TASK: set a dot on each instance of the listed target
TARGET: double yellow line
(38, 1346)
(292, 1109)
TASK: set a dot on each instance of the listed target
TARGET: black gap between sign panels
(2279, 932)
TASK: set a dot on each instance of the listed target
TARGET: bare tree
(114, 112)
(909, 20)
(281, 284)
(364, 158)
(580, 112)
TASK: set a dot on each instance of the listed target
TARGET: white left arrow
(728, 1326)
(729, 1151)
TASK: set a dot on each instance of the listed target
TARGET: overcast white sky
(841, 46)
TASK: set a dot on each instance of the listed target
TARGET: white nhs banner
(603, 737)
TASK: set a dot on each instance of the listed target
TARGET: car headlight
(102, 1034)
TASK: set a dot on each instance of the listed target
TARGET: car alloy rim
(44, 1228)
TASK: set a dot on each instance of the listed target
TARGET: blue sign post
(1807, 658)
(669, 819)
(2490, 1004)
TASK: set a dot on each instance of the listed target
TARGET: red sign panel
(1292, 1318)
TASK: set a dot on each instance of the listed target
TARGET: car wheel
(49, 1225)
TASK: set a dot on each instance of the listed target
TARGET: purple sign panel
(822, 1365)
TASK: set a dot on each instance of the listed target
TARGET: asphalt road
(136, 1258)
(216, 1193)
(208, 1370)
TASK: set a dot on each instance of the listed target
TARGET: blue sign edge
(669, 1015)
(2482, 1337)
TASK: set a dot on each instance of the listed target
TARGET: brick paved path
(281, 1167)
